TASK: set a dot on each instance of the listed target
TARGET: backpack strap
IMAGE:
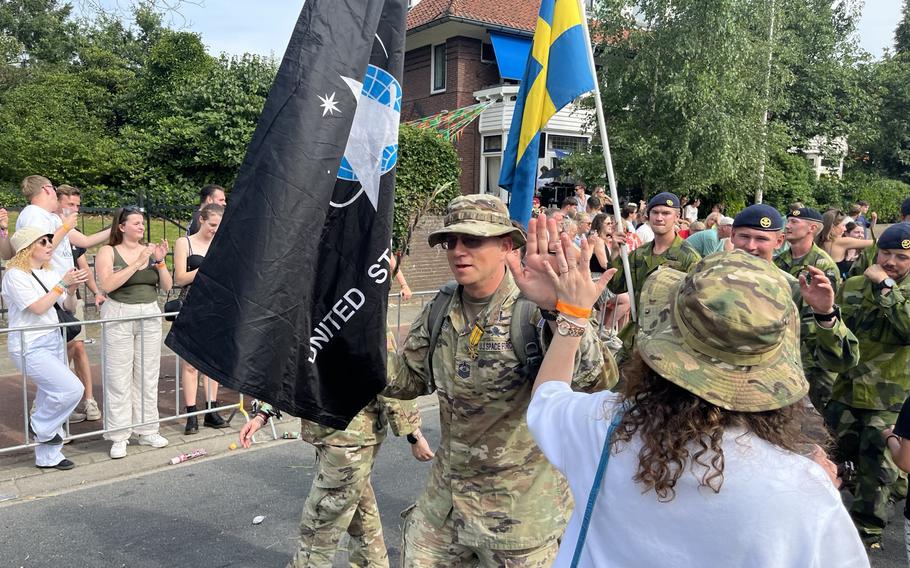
(525, 336)
(438, 310)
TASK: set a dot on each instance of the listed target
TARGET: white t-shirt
(645, 233)
(20, 290)
(690, 212)
(34, 216)
(775, 508)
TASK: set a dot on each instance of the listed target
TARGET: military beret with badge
(759, 216)
(896, 237)
(664, 198)
(806, 214)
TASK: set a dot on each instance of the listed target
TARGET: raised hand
(531, 275)
(817, 291)
(572, 279)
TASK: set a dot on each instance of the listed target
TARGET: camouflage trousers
(859, 440)
(425, 546)
(341, 500)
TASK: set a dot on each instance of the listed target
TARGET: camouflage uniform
(642, 263)
(867, 398)
(491, 495)
(821, 372)
(865, 259)
(341, 498)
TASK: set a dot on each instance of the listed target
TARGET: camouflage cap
(479, 216)
(728, 332)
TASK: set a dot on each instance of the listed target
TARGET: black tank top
(193, 261)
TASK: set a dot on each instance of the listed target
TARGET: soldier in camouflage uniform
(867, 256)
(802, 226)
(491, 499)
(826, 345)
(667, 249)
(341, 498)
(867, 398)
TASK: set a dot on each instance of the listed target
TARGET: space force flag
(290, 304)
(556, 73)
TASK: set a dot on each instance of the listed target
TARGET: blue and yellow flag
(557, 72)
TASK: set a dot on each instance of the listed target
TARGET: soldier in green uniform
(867, 398)
(341, 498)
(826, 344)
(867, 256)
(491, 499)
(802, 226)
(667, 249)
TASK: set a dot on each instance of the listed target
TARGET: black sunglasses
(469, 242)
(45, 240)
(130, 210)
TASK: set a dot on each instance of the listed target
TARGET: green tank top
(141, 288)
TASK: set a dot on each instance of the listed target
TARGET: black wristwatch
(886, 283)
(832, 315)
(412, 439)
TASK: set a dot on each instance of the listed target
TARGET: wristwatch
(548, 315)
(833, 314)
(886, 283)
(568, 328)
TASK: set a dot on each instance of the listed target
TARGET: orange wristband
(571, 310)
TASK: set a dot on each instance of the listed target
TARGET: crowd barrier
(395, 303)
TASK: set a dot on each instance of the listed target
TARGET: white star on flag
(329, 105)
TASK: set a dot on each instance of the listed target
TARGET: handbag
(63, 316)
(595, 487)
(172, 306)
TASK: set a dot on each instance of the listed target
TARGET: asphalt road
(200, 513)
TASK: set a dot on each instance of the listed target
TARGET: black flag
(290, 304)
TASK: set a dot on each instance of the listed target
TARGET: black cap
(896, 237)
(759, 216)
(905, 207)
(807, 214)
(664, 198)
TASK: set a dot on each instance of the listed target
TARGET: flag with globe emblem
(290, 304)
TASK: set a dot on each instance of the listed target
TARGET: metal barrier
(422, 297)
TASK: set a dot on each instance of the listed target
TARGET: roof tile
(519, 14)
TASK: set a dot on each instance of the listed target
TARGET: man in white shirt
(645, 232)
(581, 197)
(41, 213)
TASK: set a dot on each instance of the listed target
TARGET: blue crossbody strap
(595, 487)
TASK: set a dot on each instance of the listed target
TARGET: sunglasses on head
(469, 242)
(129, 210)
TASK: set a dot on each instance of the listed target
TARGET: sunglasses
(46, 240)
(130, 210)
(467, 241)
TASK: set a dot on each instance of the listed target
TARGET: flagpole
(608, 160)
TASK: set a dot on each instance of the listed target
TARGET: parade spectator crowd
(770, 353)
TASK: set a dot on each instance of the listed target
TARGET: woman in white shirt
(706, 464)
(30, 289)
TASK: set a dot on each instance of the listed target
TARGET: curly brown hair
(670, 421)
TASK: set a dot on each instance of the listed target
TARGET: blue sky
(264, 26)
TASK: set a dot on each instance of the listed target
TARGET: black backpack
(522, 332)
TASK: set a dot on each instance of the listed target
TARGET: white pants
(58, 391)
(132, 361)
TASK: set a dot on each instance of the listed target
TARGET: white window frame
(445, 77)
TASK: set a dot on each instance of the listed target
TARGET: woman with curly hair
(704, 458)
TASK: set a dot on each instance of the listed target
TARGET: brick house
(460, 53)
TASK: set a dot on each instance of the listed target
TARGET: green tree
(43, 28)
(902, 32)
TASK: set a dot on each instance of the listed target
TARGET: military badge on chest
(463, 369)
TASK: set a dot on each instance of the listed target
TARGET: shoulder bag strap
(595, 487)
(35, 276)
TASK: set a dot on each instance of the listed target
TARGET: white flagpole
(608, 161)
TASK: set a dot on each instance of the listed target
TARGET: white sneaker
(92, 412)
(76, 417)
(154, 440)
(118, 449)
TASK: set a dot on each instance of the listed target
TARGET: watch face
(889, 283)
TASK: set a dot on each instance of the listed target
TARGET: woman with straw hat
(703, 452)
(30, 289)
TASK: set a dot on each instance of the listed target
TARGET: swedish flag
(557, 72)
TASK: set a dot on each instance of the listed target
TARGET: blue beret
(897, 237)
(664, 198)
(905, 207)
(807, 214)
(759, 216)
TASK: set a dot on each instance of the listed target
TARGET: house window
(412, 3)
(438, 69)
(492, 143)
(566, 143)
(487, 55)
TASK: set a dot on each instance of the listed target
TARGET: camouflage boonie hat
(479, 216)
(728, 332)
